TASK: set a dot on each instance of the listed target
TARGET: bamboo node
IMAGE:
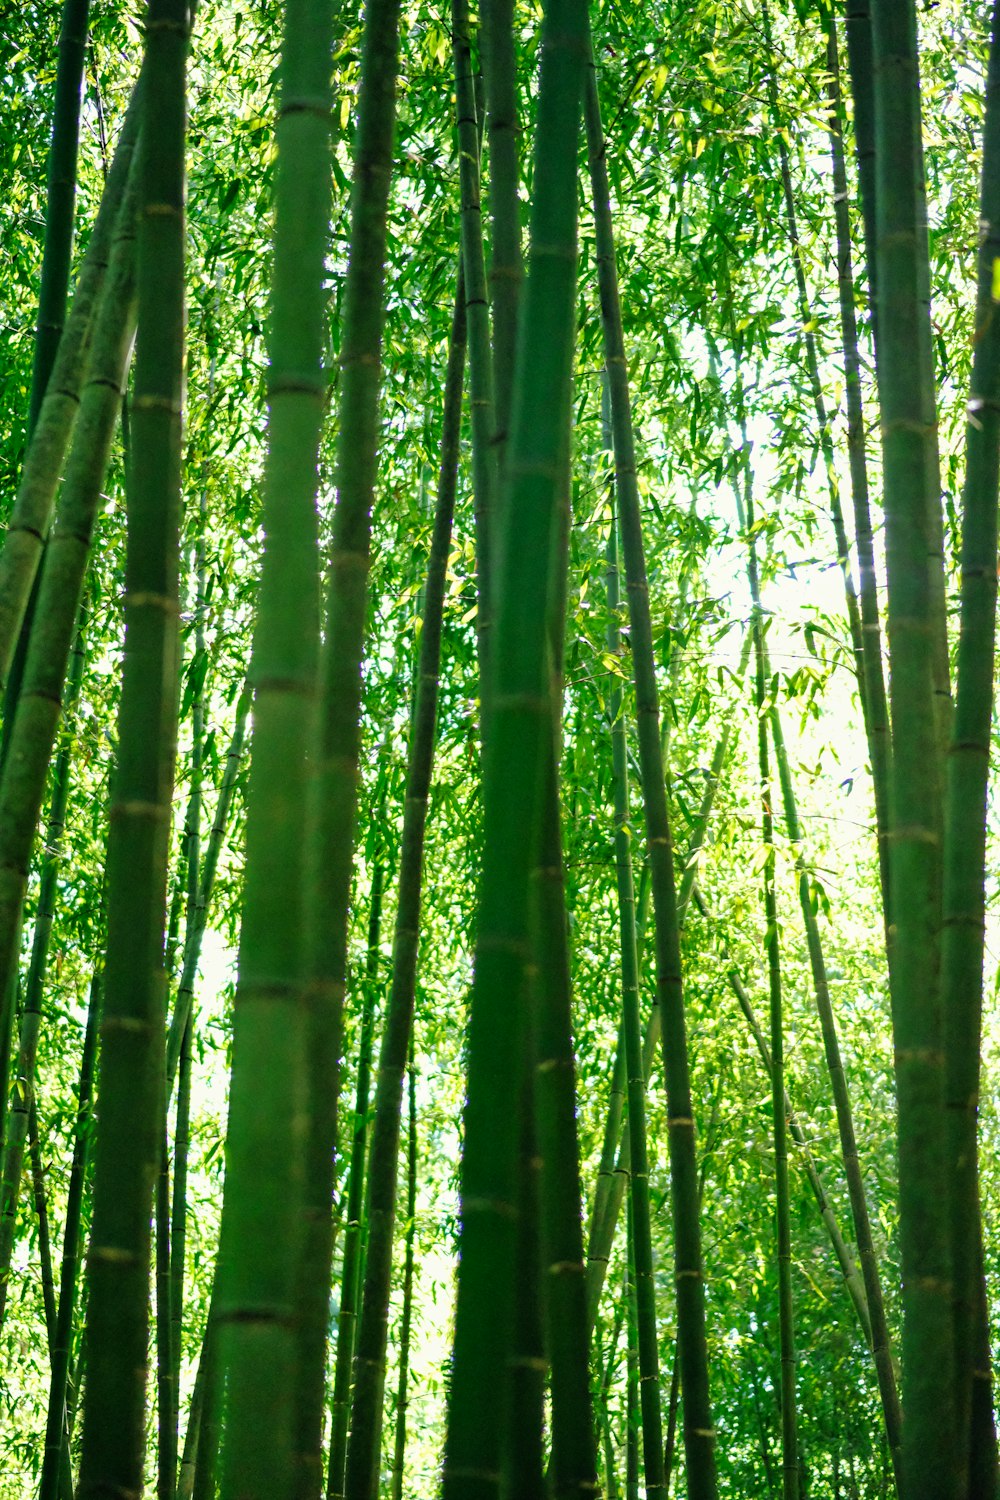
(704, 1432)
(114, 1255)
(916, 832)
(149, 401)
(146, 599)
(482, 1205)
(156, 812)
(566, 1268)
(528, 1362)
(687, 1275)
(686, 1120)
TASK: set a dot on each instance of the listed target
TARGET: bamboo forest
(499, 875)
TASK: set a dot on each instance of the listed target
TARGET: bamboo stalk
(133, 1024)
(364, 1444)
(699, 1434)
(514, 766)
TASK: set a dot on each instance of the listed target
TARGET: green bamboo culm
(55, 1456)
(53, 292)
(965, 822)
(552, 1107)
(880, 1342)
(334, 782)
(639, 1208)
(409, 1268)
(133, 1024)
(699, 1436)
(782, 1214)
(22, 1098)
(613, 1169)
(60, 199)
(350, 1280)
(31, 512)
(930, 1454)
(514, 766)
(32, 735)
(506, 273)
(477, 314)
(266, 1140)
(877, 709)
(363, 1449)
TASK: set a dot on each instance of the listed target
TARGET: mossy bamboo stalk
(55, 1452)
(699, 1434)
(94, 321)
(354, 1227)
(930, 1456)
(966, 786)
(880, 1342)
(639, 1221)
(34, 990)
(370, 1354)
(256, 1310)
(409, 1270)
(333, 787)
(178, 1232)
(133, 1024)
(876, 705)
(477, 316)
(520, 739)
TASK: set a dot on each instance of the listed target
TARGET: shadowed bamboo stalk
(56, 1450)
(334, 782)
(363, 1449)
(966, 821)
(477, 317)
(409, 1268)
(255, 1311)
(506, 273)
(516, 754)
(347, 1316)
(699, 1436)
(133, 1023)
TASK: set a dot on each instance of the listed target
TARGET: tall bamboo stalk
(56, 1450)
(409, 1268)
(699, 1434)
(333, 787)
(640, 1226)
(22, 1099)
(520, 739)
(876, 706)
(28, 524)
(506, 273)
(965, 826)
(930, 1451)
(265, 1145)
(347, 1316)
(364, 1445)
(133, 1025)
(477, 316)
(786, 1315)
